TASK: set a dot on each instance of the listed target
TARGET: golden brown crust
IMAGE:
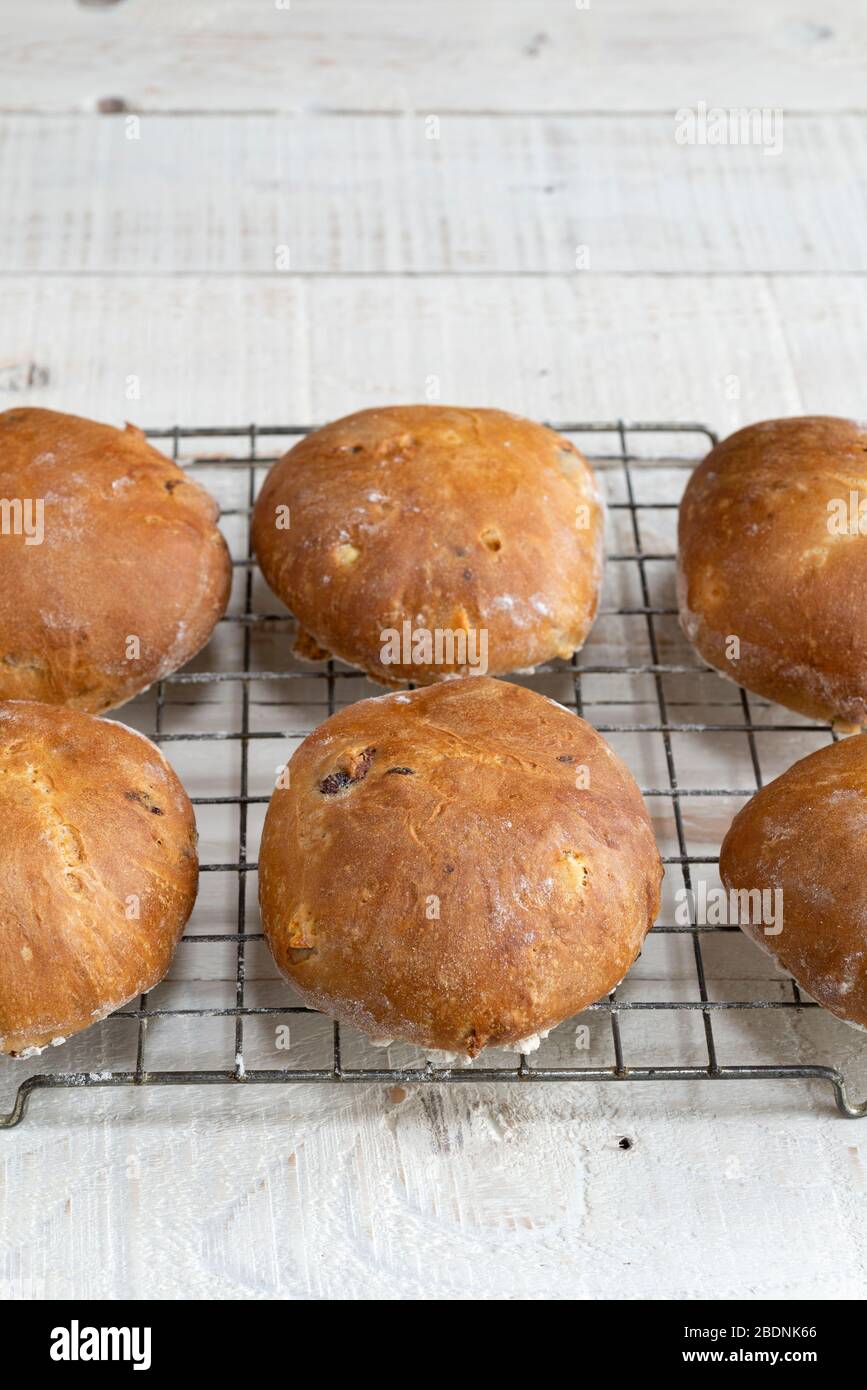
(805, 835)
(130, 550)
(99, 870)
(442, 518)
(481, 802)
(758, 560)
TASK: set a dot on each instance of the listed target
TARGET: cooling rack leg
(850, 1110)
(22, 1100)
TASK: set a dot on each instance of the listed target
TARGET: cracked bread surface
(460, 866)
(130, 576)
(759, 561)
(99, 870)
(444, 518)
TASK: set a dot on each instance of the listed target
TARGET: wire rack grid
(689, 766)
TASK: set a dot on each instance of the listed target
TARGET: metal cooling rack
(248, 459)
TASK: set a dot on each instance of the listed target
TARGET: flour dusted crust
(461, 866)
(806, 834)
(444, 518)
(93, 821)
(131, 549)
(757, 560)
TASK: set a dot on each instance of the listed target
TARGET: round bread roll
(804, 835)
(766, 557)
(392, 526)
(112, 570)
(99, 871)
(460, 866)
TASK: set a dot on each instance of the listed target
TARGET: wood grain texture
(375, 55)
(466, 1194)
(222, 351)
(356, 195)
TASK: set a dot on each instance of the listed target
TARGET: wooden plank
(500, 55)
(275, 350)
(226, 351)
(358, 195)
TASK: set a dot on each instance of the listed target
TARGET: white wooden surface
(219, 195)
(724, 285)
(376, 55)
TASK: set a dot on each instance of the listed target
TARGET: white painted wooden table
(265, 231)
